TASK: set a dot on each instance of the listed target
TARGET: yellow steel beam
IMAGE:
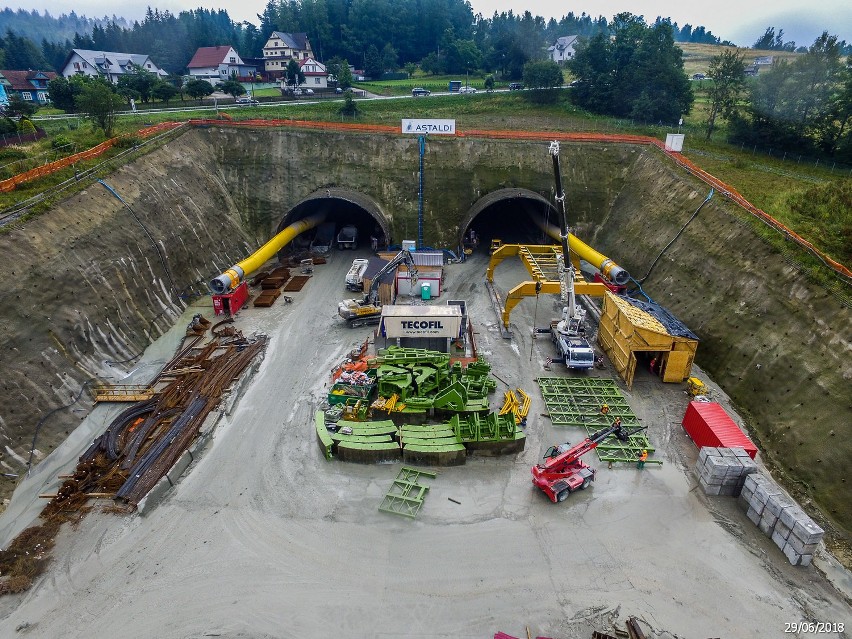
(527, 289)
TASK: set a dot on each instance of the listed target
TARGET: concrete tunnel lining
(499, 196)
(364, 202)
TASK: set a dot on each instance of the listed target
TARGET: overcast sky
(740, 21)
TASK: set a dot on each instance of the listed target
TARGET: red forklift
(561, 472)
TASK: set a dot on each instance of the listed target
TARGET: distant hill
(38, 27)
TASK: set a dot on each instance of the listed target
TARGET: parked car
(297, 91)
(516, 86)
(308, 91)
(338, 90)
(573, 83)
(246, 101)
(467, 89)
(419, 91)
(698, 76)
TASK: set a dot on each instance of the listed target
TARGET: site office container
(708, 424)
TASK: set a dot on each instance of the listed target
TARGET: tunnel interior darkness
(510, 219)
(341, 213)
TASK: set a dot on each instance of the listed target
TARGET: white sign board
(434, 127)
(674, 142)
(421, 321)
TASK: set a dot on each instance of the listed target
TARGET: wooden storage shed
(633, 331)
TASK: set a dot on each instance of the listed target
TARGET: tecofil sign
(435, 127)
(422, 327)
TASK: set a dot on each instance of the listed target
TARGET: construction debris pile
(593, 404)
(779, 517)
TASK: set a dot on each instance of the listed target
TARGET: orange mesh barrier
(52, 167)
(679, 159)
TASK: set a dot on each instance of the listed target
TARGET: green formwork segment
(406, 494)
(577, 402)
(323, 436)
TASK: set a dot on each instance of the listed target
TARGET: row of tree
(379, 35)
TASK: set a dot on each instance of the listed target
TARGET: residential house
(107, 64)
(316, 74)
(218, 64)
(30, 85)
(563, 49)
(283, 47)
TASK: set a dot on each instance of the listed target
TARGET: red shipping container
(708, 424)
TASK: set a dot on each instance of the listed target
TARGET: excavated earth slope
(85, 287)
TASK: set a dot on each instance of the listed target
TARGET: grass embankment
(811, 200)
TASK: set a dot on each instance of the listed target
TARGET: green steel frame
(577, 402)
(406, 494)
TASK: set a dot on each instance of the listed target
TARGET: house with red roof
(30, 85)
(218, 64)
(316, 74)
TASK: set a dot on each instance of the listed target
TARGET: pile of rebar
(145, 441)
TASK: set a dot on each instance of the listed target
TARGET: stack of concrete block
(722, 471)
(779, 517)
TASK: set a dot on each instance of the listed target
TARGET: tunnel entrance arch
(343, 207)
(508, 214)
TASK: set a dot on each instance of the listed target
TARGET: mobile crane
(368, 310)
(561, 472)
(567, 332)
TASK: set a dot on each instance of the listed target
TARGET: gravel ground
(265, 538)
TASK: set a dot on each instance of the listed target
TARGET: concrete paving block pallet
(778, 503)
(799, 546)
(753, 515)
(709, 489)
(780, 534)
(808, 531)
(767, 523)
(791, 515)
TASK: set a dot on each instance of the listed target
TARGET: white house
(316, 75)
(107, 64)
(563, 49)
(282, 47)
(217, 64)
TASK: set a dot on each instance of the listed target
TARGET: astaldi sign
(433, 127)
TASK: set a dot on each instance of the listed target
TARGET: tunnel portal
(507, 215)
(342, 207)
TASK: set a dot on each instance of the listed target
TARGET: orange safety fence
(52, 167)
(350, 127)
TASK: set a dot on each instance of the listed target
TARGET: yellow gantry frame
(540, 261)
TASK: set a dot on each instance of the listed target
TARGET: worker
(653, 364)
(604, 409)
(617, 421)
(642, 459)
(374, 242)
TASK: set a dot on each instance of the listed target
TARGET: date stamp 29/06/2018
(814, 627)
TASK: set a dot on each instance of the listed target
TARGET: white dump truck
(355, 276)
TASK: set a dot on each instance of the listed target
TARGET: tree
(164, 91)
(373, 65)
(198, 89)
(232, 88)
(390, 59)
(727, 71)
(544, 74)
(410, 69)
(636, 73)
(19, 107)
(294, 74)
(99, 102)
(489, 83)
(63, 91)
(349, 108)
(344, 78)
(137, 83)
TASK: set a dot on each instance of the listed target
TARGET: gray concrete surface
(265, 538)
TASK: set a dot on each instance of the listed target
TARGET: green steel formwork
(577, 402)
(406, 494)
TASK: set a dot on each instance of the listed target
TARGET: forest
(443, 33)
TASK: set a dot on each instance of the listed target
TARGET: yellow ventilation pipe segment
(612, 271)
(231, 278)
